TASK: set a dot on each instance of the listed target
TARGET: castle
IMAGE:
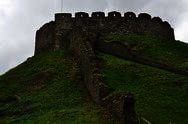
(82, 36)
(52, 34)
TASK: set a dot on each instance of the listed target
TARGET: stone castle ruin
(82, 36)
(52, 35)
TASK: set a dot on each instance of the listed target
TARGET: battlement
(59, 31)
(129, 22)
(111, 15)
(62, 16)
(95, 15)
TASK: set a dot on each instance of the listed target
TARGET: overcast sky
(19, 20)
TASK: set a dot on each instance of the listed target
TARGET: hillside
(170, 53)
(161, 96)
(48, 87)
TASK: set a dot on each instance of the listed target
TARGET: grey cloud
(127, 5)
(84, 5)
(18, 30)
(170, 10)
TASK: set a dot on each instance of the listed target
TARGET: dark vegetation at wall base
(110, 82)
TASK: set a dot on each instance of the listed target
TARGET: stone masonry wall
(121, 105)
(44, 39)
(54, 33)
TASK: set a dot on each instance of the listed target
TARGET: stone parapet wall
(44, 39)
(53, 35)
(129, 23)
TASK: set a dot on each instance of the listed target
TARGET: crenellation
(144, 24)
(156, 20)
(130, 16)
(63, 21)
(98, 15)
(114, 15)
(166, 24)
(81, 15)
(44, 38)
(62, 16)
(144, 16)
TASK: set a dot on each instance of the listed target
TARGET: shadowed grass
(46, 89)
(174, 53)
(161, 97)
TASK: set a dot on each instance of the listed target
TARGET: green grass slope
(173, 53)
(161, 96)
(46, 89)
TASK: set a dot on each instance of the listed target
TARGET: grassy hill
(47, 88)
(173, 53)
(161, 96)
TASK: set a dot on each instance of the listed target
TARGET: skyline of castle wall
(57, 33)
